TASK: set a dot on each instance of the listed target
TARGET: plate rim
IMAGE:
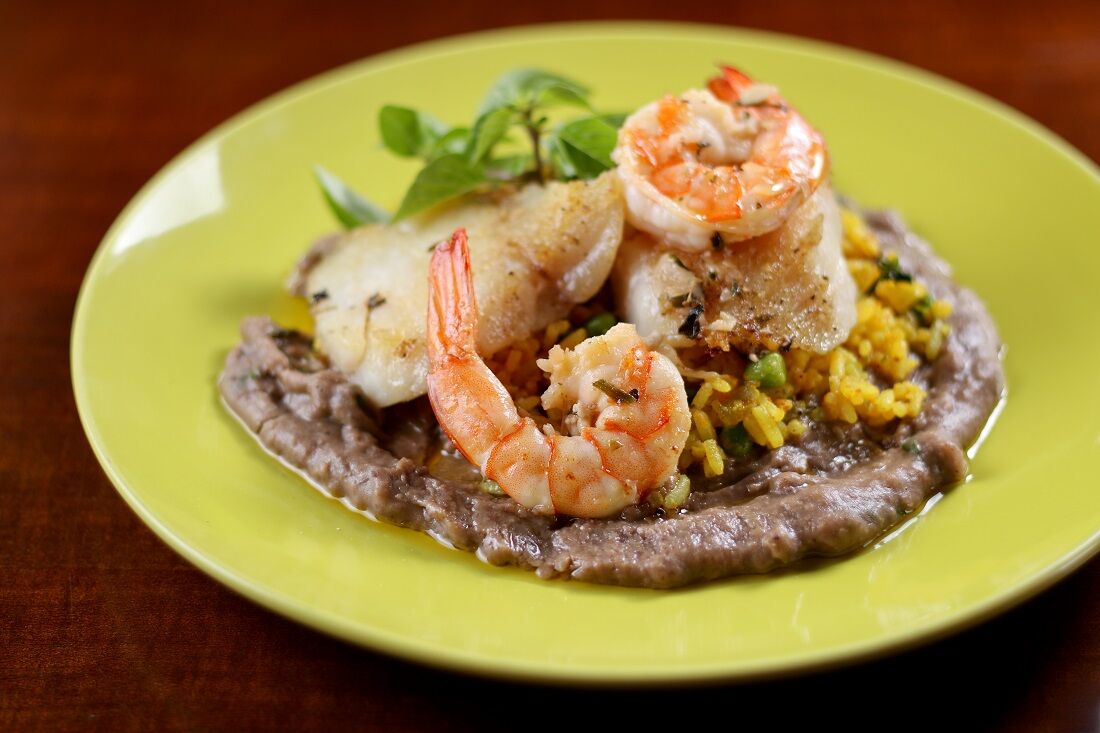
(405, 647)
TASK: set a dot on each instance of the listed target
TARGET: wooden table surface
(103, 627)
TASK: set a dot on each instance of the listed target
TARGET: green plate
(211, 237)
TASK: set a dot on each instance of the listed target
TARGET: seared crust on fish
(789, 288)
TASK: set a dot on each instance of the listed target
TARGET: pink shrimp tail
(452, 305)
(730, 84)
(473, 408)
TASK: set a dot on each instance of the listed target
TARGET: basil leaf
(457, 140)
(508, 167)
(444, 178)
(575, 163)
(524, 88)
(349, 207)
(488, 130)
(409, 133)
(615, 119)
(561, 158)
(562, 95)
(592, 136)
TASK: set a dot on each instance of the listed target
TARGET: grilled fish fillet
(535, 253)
(788, 288)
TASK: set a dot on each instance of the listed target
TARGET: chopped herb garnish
(890, 270)
(613, 392)
(911, 446)
(922, 309)
(679, 301)
(319, 296)
(691, 325)
(736, 441)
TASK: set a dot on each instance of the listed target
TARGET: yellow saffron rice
(865, 379)
(898, 324)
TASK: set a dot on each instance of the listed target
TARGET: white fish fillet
(789, 288)
(534, 253)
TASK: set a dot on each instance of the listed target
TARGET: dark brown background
(102, 626)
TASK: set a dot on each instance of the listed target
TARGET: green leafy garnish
(890, 271)
(515, 114)
(349, 207)
(679, 263)
(736, 441)
(455, 141)
(409, 133)
(507, 167)
(582, 148)
(593, 136)
(922, 309)
(444, 178)
(488, 130)
(524, 89)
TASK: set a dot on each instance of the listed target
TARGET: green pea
(768, 371)
(600, 323)
(736, 441)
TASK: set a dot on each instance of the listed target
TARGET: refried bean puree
(836, 489)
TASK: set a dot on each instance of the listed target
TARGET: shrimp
(630, 413)
(727, 163)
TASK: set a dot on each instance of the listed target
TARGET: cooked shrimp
(630, 414)
(724, 164)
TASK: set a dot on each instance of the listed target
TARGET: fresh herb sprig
(349, 207)
(462, 159)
